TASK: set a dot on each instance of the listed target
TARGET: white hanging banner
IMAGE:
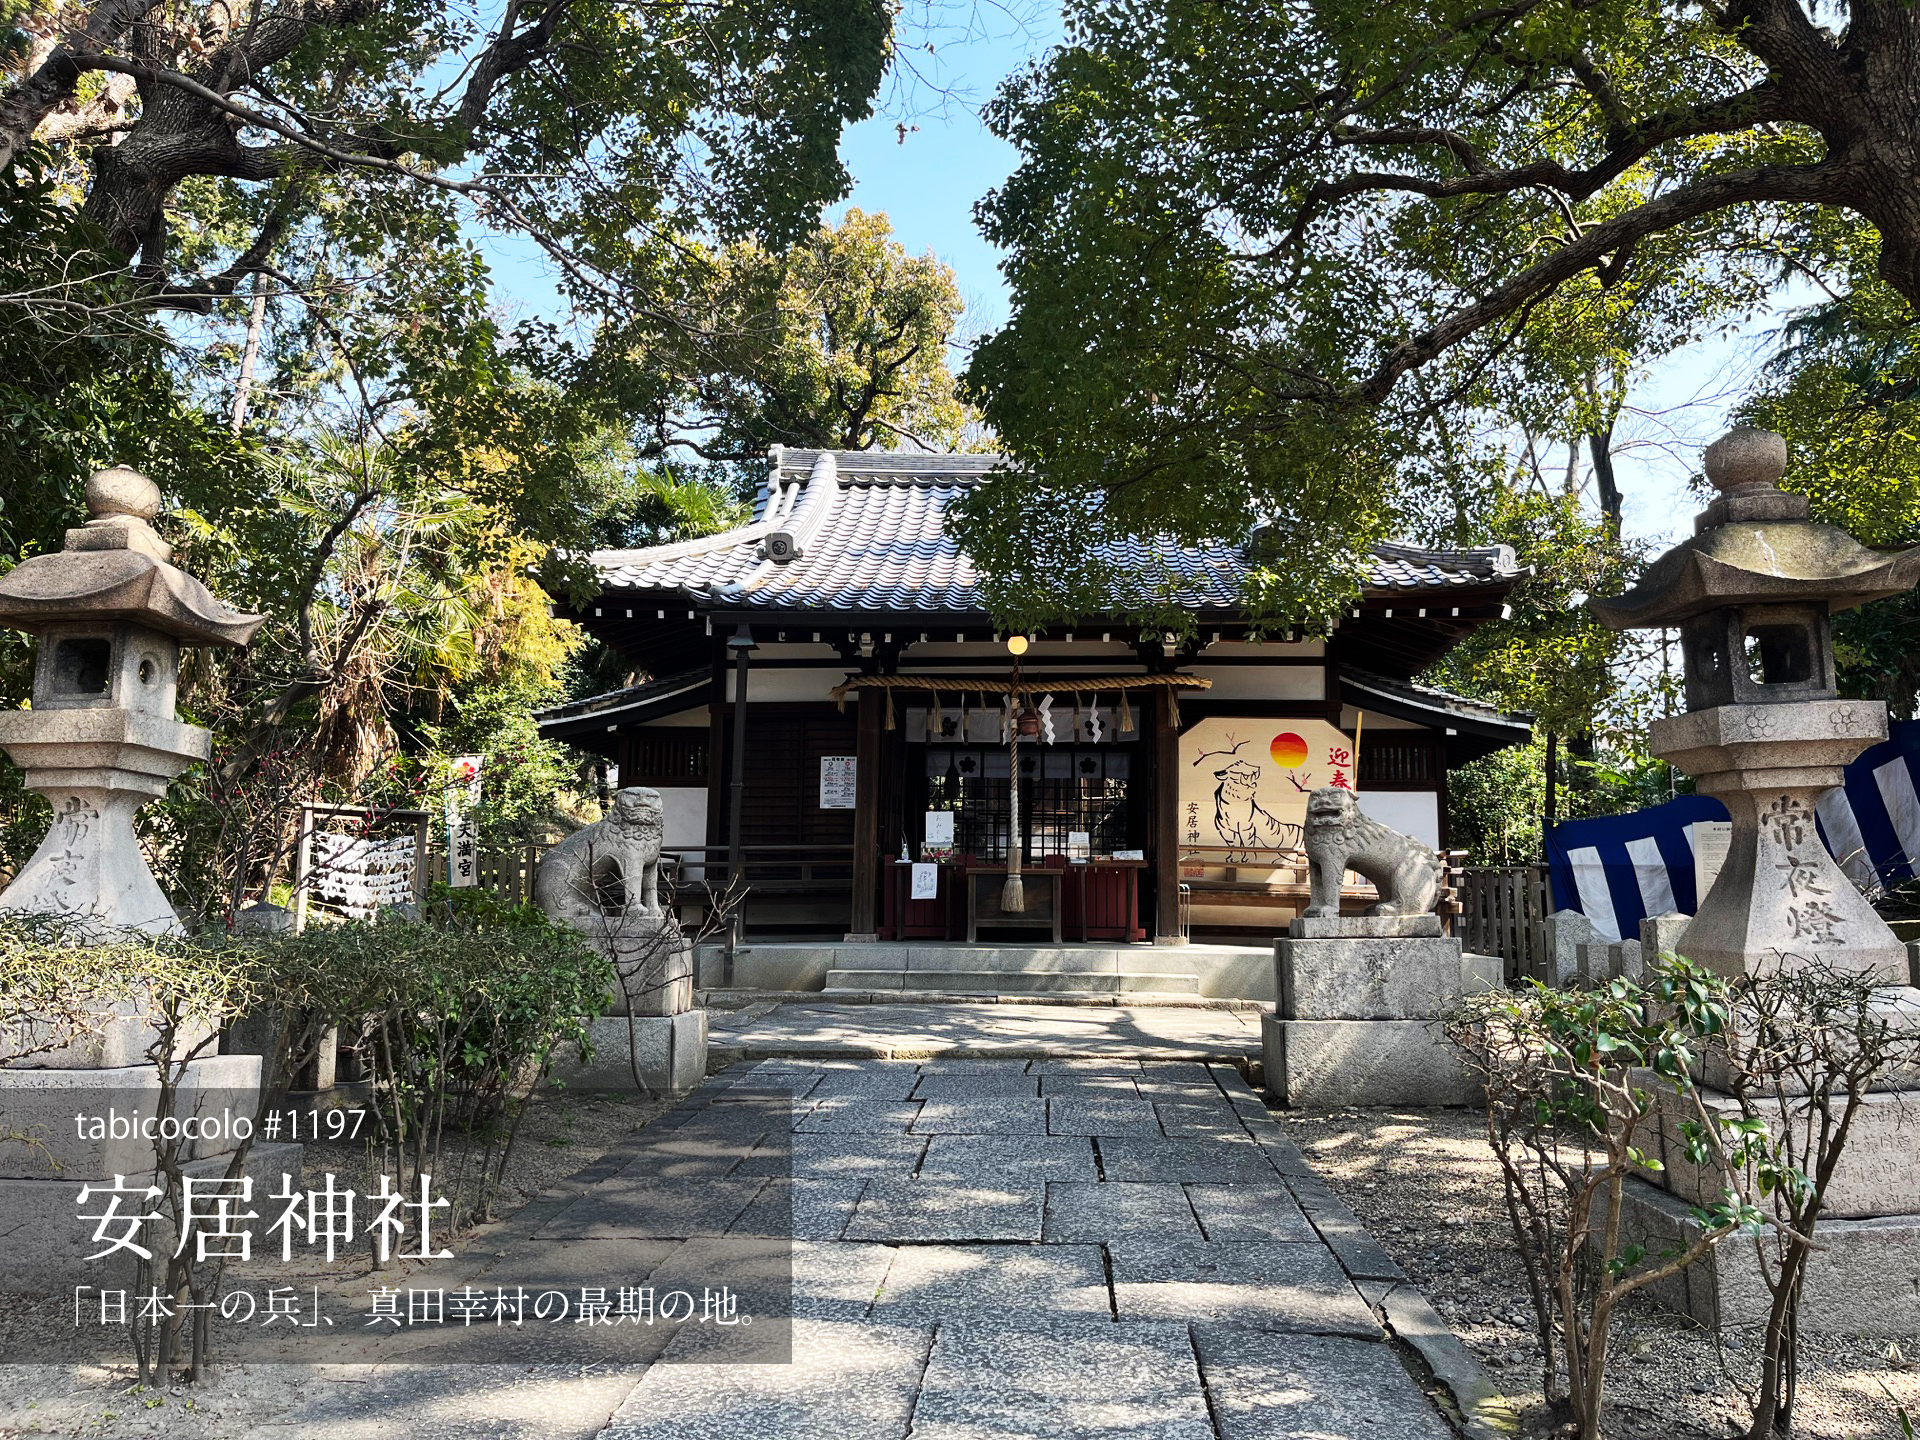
(463, 836)
(926, 882)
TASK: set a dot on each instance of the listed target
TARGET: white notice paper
(1079, 845)
(1711, 839)
(939, 827)
(836, 782)
(926, 882)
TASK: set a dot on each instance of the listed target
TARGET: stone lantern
(102, 738)
(1764, 729)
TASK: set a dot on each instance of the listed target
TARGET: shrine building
(829, 694)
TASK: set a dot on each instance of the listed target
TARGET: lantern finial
(1746, 458)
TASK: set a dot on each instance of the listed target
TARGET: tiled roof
(594, 707)
(868, 528)
(1431, 697)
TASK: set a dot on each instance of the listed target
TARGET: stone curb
(1485, 1413)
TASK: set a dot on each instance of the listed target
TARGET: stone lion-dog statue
(604, 881)
(610, 869)
(1339, 838)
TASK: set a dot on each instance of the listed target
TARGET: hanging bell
(1027, 722)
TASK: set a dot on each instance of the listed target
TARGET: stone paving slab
(1311, 1387)
(650, 1207)
(976, 1283)
(1218, 1158)
(1102, 1067)
(984, 1382)
(579, 1262)
(914, 1212)
(889, 1084)
(1000, 1115)
(1008, 1158)
(1079, 1213)
(977, 1084)
(1176, 1073)
(999, 1284)
(676, 1155)
(460, 1402)
(1198, 1119)
(800, 1208)
(1297, 1288)
(857, 1115)
(1257, 1212)
(847, 1380)
(1084, 1087)
(1102, 1116)
(838, 1157)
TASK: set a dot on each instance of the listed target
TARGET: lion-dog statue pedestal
(604, 881)
(1361, 995)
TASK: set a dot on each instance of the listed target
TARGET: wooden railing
(769, 869)
(1503, 911)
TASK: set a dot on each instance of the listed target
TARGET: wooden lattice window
(665, 757)
(1399, 761)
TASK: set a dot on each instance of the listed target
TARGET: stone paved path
(1003, 1249)
(819, 1029)
(983, 1249)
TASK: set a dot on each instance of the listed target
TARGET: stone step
(1213, 971)
(729, 1003)
(994, 982)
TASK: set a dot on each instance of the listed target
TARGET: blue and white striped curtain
(1618, 869)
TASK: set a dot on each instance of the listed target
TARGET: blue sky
(928, 179)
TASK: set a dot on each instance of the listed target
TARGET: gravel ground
(1426, 1183)
(559, 1135)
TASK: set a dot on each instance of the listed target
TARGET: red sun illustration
(1289, 751)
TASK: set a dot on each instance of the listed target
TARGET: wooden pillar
(717, 747)
(868, 753)
(1166, 824)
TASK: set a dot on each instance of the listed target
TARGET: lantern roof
(1755, 544)
(116, 568)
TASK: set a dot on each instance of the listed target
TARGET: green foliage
(1844, 388)
(1316, 265)
(454, 1010)
(1494, 805)
(523, 777)
(839, 342)
(1574, 1084)
(1552, 659)
(290, 325)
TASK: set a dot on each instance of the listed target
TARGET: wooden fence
(508, 873)
(1503, 911)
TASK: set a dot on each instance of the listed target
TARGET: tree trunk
(1600, 445)
(1551, 811)
(243, 390)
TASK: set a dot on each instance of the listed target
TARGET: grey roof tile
(870, 527)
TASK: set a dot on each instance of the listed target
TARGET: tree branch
(1809, 184)
(54, 83)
